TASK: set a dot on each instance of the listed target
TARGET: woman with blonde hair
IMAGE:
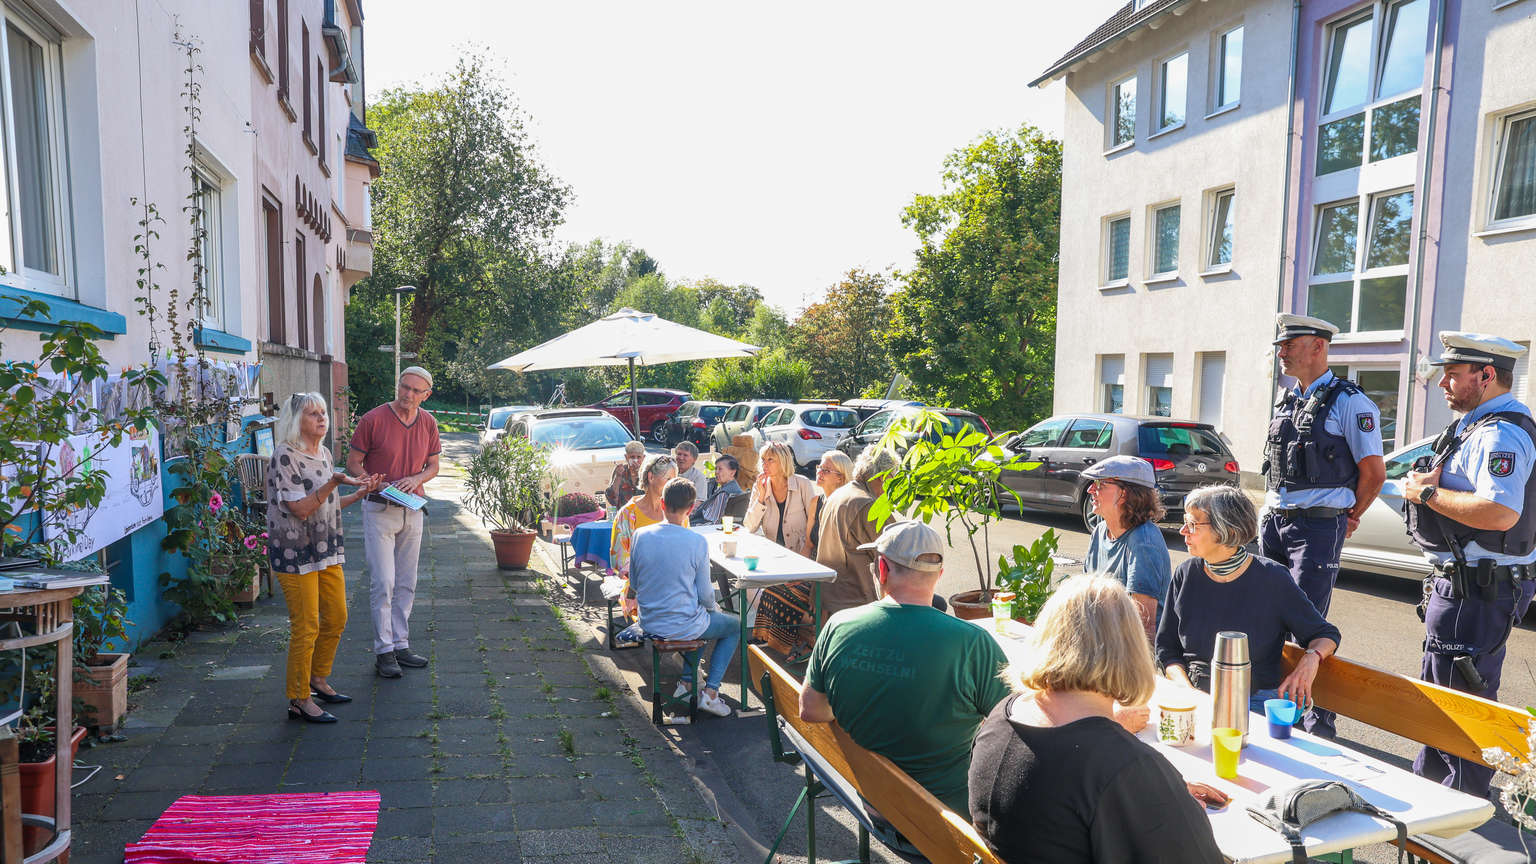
(1053, 776)
(833, 472)
(783, 505)
(304, 549)
(643, 509)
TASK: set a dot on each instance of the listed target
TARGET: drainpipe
(1285, 191)
(1423, 201)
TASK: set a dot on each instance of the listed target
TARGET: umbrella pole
(634, 398)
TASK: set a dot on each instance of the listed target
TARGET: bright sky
(768, 145)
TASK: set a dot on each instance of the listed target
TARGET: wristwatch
(1427, 493)
(1317, 652)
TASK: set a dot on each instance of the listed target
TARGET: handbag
(1289, 810)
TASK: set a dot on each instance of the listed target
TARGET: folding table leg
(810, 816)
(746, 680)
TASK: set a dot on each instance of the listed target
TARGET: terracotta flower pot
(971, 605)
(37, 787)
(249, 593)
(105, 687)
(513, 549)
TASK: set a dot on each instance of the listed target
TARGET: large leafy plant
(948, 472)
(506, 484)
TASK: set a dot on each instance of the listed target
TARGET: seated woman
(642, 510)
(783, 508)
(1127, 544)
(1224, 587)
(625, 481)
(1053, 776)
(832, 473)
(709, 510)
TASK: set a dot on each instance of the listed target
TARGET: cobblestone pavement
(506, 748)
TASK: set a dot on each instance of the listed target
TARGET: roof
(359, 139)
(1125, 20)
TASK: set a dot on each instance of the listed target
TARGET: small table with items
(1268, 765)
(775, 566)
(590, 541)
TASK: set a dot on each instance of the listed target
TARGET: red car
(656, 405)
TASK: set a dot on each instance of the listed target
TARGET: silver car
(809, 429)
(1381, 544)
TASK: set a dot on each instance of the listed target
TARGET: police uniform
(1317, 438)
(1483, 580)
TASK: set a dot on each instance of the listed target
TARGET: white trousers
(392, 542)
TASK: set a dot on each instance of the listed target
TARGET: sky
(768, 146)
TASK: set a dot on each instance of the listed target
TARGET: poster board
(134, 496)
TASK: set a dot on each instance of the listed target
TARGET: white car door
(1381, 543)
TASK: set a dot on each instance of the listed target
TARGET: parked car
(585, 444)
(871, 430)
(739, 418)
(694, 421)
(867, 408)
(496, 422)
(1380, 544)
(655, 404)
(810, 429)
(1184, 454)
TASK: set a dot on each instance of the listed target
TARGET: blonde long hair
(782, 453)
(1089, 637)
(290, 417)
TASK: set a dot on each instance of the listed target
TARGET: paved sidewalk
(506, 748)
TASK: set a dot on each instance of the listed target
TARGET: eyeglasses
(419, 391)
(1190, 526)
(828, 469)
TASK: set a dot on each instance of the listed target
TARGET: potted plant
(505, 486)
(952, 476)
(101, 676)
(39, 760)
(1028, 576)
(577, 507)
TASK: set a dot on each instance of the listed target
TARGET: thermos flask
(1230, 682)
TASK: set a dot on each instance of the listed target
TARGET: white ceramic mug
(728, 546)
(1176, 723)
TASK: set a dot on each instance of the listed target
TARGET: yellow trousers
(317, 613)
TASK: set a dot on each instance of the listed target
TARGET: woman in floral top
(304, 549)
(642, 510)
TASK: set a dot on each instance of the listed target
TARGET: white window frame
(12, 254)
(1213, 199)
(211, 192)
(1352, 372)
(1497, 155)
(1162, 94)
(1112, 114)
(1365, 204)
(1219, 70)
(1152, 213)
(1378, 13)
(1106, 249)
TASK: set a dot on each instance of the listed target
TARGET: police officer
(1472, 509)
(1322, 468)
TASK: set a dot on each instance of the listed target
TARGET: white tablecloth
(1269, 765)
(775, 564)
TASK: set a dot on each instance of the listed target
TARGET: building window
(1159, 378)
(259, 28)
(1165, 240)
(1117, 250)
(34, 234)
(1372, 86)
(1381, 384)
(272, 224)
(1112, 383)
(1213, 379)
(320, 109)
(1172, 91)
(1228, 64)
(299, 289)
(1362, 293)
(317, 317)
(1514, 183)
(304, 61)
(282, 53)
(1122, 112)
(1219, 244)
(209, 266)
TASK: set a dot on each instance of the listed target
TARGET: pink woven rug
(329, 827)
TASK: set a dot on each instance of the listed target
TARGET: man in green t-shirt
(902, 678)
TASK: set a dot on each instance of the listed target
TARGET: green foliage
(772, 374)
(842, 338)
(101, 619)
(974, 323)
(953, 477)
(506, 484)
(575, 504)
(767, 328)
(1028, 575)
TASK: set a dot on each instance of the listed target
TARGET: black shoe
(297, 713)
(404, 657)
(331, 698)
(385, 665)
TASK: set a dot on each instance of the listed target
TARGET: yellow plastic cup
(1227, 747)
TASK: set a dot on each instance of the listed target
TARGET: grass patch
(604, 694)
(547, 688)
(567, 742)
(138, 683)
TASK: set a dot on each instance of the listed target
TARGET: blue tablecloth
(589, 542)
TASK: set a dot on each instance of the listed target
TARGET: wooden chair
(855, 776)
(1458, 723)
(736, 508)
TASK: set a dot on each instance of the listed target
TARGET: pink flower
(263, 535)
(216, 502)
(250, 541)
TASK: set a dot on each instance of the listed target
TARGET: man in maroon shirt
(399, 441)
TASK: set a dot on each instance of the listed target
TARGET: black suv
(692, 422)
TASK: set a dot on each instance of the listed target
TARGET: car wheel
(1091, 519)
(659, 433)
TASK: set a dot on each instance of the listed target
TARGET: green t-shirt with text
(912, 684)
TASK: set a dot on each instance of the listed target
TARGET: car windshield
(580, 433)
(689, 409)
(761, 410)
(830, 418)
(499, 418)
(1179, 441)
(1398, 466)
(711, 413)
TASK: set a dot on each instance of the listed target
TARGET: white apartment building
(1228, 159)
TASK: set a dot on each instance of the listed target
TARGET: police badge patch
(1366, 422)
(1501, 463)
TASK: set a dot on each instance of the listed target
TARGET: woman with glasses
(1127, 544)
(833, 471)
(1224, 587)
(304, 549)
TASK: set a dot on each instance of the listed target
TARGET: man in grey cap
(1322, 467)
(904, 679)
(1472, 509)
(400, 441)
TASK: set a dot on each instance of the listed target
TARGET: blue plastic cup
(1282, 715)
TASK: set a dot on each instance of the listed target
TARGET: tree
(728, 308)
(974, 322)
(843, 336)
(768, 328)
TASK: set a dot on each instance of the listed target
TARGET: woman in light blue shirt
(1127, 543)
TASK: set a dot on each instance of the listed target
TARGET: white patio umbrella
(624, 338)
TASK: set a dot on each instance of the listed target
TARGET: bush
(505, 484)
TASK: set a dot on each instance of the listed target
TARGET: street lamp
(403, 289)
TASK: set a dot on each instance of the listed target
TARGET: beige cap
(905, 542)
(417, 370)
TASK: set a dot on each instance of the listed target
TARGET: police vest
(1300, 452)
(1435, 532)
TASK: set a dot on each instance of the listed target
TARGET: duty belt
(1309, 512)
(1483, 575)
